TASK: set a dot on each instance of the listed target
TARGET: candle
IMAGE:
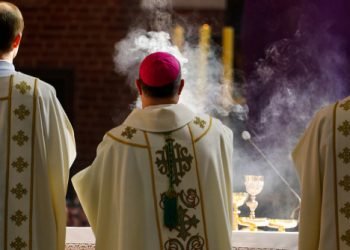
(178, 36)
(204, 45)
(228, 54)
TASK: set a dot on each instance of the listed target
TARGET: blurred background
(282, 61)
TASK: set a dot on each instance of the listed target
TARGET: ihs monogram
(182, 161)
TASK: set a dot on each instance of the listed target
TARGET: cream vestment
(36, 150)
(123, 191)
(322, 159)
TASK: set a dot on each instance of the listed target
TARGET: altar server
(36, 150)
(162, 179)
(322, 159)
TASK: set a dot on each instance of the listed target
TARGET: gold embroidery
(182, 161)
(345, 155)
(196, 242)
(346, 237)
(346, 210)
(18, 244)
(19, 164)
(23, 87)
(21, 112)
(185, 223)
(345, 182)
(18, 217)
(19, 191)
(129, 132)
(20, 138)
(346, 105)
(201, 123)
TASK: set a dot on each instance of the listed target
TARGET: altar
(82, 238)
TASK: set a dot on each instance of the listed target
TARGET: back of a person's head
(11, 24)
(160, 75)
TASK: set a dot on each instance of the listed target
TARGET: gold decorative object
(23, 87)
(253, 223)
(238, 199)
(254, 185)
(21, 112)
(282, 224)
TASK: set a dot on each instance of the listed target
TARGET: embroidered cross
(20, 138)
(346, 237)
(198, 121)
(346, 210)
(345, 182)
(345, 128)
(345, 155)
(19, 164)
(18, 218)
(21, 112)
(19, 191)
(129, 132)
(18, 244)
(185, 223)
(23, 87)
(182, 161)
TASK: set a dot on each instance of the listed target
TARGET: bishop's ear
(138, 86)
(17, 41)
(182, 84)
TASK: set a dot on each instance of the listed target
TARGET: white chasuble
(322, 159)
(32, 212)
(123, 192)
(342, 172)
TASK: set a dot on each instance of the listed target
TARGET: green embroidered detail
(21, 112)
(346, 105)
(345, 155)
(346, 210)
(344, 128)
(23, 87)
(20, 138)
(18, 218)
(18, 244)
(345, 182)
(19, 191)
(185, 223)
(129, 132)
(182, 161)
(346, 237)
(19, 164)
(195, 242)
(198, 121)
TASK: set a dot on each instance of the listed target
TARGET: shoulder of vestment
(128, 135)
(200, 126)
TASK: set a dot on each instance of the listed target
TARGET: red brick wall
(79, 35)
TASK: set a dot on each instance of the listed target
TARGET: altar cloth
(82, 238)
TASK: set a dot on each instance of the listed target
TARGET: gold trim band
(125, 142)
(8, 160)
(199, 183)
(154, 190)
(205, 132)
(335, 173)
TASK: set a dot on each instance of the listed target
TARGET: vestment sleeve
(308, 157)
(88, 183)
(56, 145)
(227, 157)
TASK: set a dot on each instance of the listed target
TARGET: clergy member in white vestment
(162, 179)
(37, 148)
(322, 159)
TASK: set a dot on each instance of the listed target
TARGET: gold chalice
(282, 224)
(254, 185)
(238, 199)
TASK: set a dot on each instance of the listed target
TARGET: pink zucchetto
(159, 69)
